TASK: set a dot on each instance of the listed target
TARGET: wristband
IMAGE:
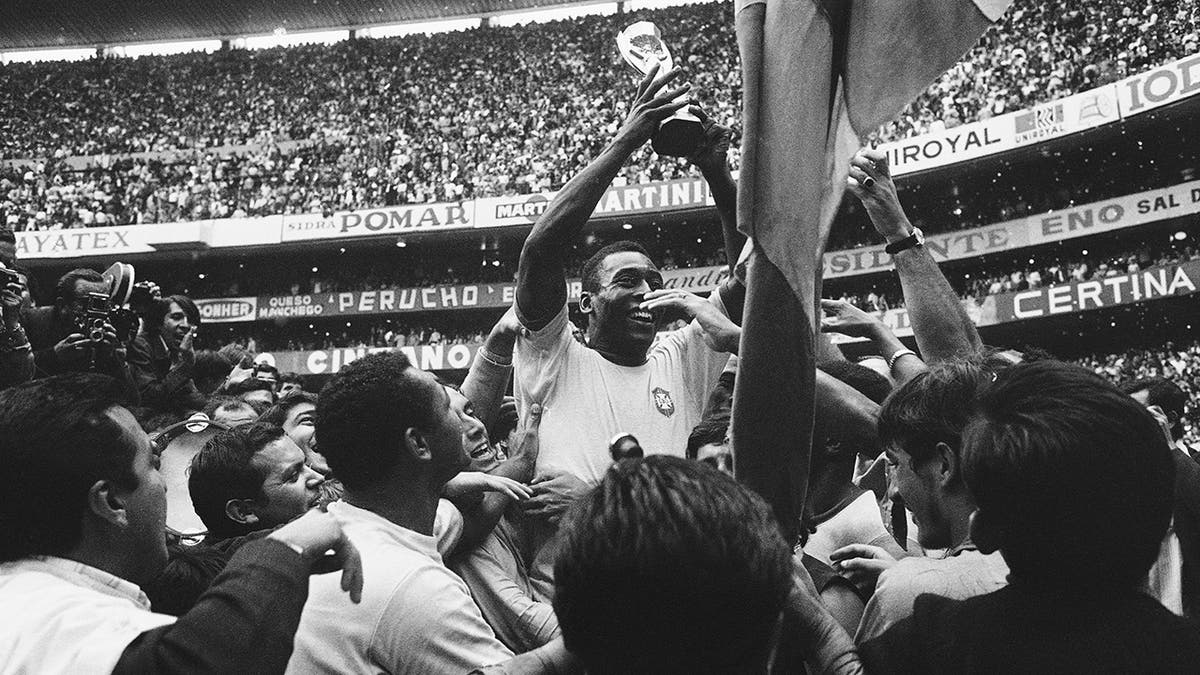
(896, 357)
(493, 359)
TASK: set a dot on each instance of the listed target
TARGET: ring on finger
(868, 182)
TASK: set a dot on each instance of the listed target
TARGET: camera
(96, 308)
(8, 276)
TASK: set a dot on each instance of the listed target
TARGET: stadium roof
(31, 24)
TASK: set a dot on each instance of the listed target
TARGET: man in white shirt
(920, 427)
(618, 382)
(83, 528)
(389, 434)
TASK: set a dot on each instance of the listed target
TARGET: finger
(352, 574)
(665, 111)
(647, 80)
(833, 305)
(701, 115)
(861, 565)
(853, 551)
(862, 177)
(855, 189)
(831, 328)
(879, 160)
(659, 82)
(671, 96)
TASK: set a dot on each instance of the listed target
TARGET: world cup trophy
(642, 46)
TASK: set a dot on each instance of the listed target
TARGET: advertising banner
(387, 220)
(1159, 86)
(673, 195)
(998, 134)
(330, 361)
(400, 300)
(227, 310)
(1122, 289)
(110, 241)
(1079, 221)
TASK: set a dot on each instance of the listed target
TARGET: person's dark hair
(670, 566)
(223, 402)
(291, 377)
(277, 414)
(210, 371)
(363, 413)
(710, 431)
(64, 290)
(931, 408)
(1164, 394)
(1073, 479)
(161, 307)
(223, 470)
(864, 380)
(250, 384)
(590, 274)
(236, 355)
(189, 572)
(56, 441)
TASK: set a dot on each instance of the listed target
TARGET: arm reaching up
(541, 281)
(940, 324)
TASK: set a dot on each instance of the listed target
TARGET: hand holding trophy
(641, 44)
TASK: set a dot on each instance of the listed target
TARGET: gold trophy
(642, 46)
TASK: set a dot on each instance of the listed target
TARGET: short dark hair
(864, 380)
(1065, 467)
(64, 290)
(159, 309)
(210, 369)
(189, 572)
(248, 385)
(277, 414)
(223, 402)
(364, 411)
(290, 376)
(590, 274)
(56, 441)
(223, 470)
(710, 431)
(1164, 394)
(933, 407)
(670, 566)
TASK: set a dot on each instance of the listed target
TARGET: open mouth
(482, 450)
(642, 316)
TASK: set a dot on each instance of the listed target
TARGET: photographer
(76, 333)
(163, 359)
(16, 358)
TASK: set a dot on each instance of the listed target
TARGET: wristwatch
(917, 238)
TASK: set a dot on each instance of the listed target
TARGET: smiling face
(300, 426)
(474, 436)
(175, 325)
(616, 321)
(290, 487)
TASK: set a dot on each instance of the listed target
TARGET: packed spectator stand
(1004, 492)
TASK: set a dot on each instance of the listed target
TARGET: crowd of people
(954, 508)
(486, 112)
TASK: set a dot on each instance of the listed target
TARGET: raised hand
(720, 333)
(321, 540)
(650, 107)
(871, 181)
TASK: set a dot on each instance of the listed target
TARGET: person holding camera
(77, 334)
(163, 356)
(16, 358)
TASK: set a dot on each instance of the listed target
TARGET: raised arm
(487, 380)
(710, 158)
(940, 323)
(541, 280)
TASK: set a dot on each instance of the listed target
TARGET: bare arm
(710, 158)
(843, 317)
(940, 323)
(541, 281)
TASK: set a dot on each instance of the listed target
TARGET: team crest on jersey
(662, 401)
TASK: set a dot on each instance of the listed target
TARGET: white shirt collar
(79, 574)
